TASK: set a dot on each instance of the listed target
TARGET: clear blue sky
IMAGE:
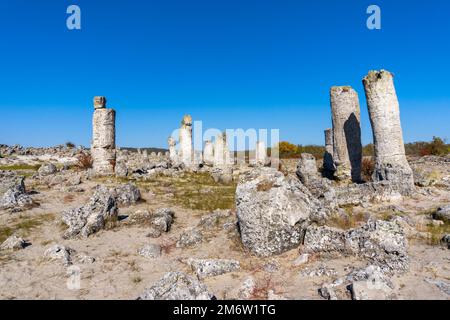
(232, 64)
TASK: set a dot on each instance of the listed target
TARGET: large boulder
(12, 191)
(126, 194)
(307, 168)
(442, 214)
(383, 243)
(90, 218)
(177, 286)
(47, 169)
(273, 211)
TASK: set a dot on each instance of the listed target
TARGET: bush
(367, 168)
(70, 145)
(436, 147)
(84, 161)
(291, 151)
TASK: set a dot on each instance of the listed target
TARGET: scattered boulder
(205, 268)
(47, 169)
(13, 195)
(162, 219)
(273, 211)
(307, 168)
(61, 253)
(84, 259)
(301, 260)
(121, 170)
(442, 285)
(177, 286)
(151, 251)
(189, 238)
(127, 194)
(380, 242)
(374, 286)
(223, 175)
(13, 243)
(443, 214)
(92, 217)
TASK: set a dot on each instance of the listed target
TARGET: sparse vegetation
(24, 225)
(367, 168)
(288, 150)
(20, 167)
(437, 147)
(70, 145)
(196, 191)
(348, 221)
(84, 161)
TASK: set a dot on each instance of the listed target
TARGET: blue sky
(232, 64)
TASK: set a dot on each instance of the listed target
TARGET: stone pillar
(220, 150)
(347, 147)
(261, 153)
(208, 153)
(103, 148)
(328, 161)
(185, 141)
(384, 112)
(172, 149)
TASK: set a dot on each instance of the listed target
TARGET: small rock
(47, 169)
(162, 219)
(127, 194)
(446, 240)
(301, 260)
(212, 267)
(272, 296)
(177, 286)
(189, 238)
(443, 214)
(13, 243)
(59, 252)
(151, 251)
(443, 286)
(84, 259)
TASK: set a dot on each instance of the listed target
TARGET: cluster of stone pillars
(343, 142)
(103, 148)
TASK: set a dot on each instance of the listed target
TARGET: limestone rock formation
(347, 147)
(90, 218)
(307, 168)
(382, 243)
(261, 153)
(103, 148)
(212, 267)
(186, 153)
(126, 194)
(273, 211)
(384, 112)
(172, 149)
(177, 286)
(328, 160)
(13, 194)
(47, 169)
(13, 243)
(208, 153)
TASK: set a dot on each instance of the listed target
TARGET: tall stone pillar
(103, 148)
(384, 112)
(347, 147)
(261, 153)
(328, 161)
(208, 153)
(186, 150)
(172, 149)
(221, 150)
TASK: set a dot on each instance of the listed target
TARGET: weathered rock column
(186, 149)
(261, 153)
(347, 147)
(172, 149)
(103, 148)
(328, 161)
(219, 150)
(208, 153)
(384, 112)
